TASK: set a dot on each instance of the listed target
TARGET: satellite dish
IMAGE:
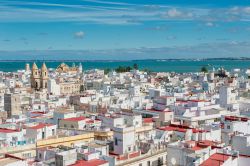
(173, 161)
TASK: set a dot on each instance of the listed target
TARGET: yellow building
(66, 140)
(70, 87)
(64, 68)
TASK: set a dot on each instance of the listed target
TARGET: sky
(124, 29)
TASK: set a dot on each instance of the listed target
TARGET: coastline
(156, 65)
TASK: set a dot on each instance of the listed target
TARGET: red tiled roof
(93, 162)
(155, 110)
(135, 154)
(174, 127)
(198, 145)
(90, 121)
(216, 159)
(181, 128)
(171, 128)
(75, 118)
(195, 148)
(148, 120)
(236, 118)
(185, 101)
(38, 112)
(3, 130)
(198, 100)
(40, 126)
(199, 131)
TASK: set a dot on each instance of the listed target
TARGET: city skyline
(124, 29)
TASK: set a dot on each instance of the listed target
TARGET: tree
(106, 71)
(147, 70)
(204, 69)
(128, 68)
(136, 66)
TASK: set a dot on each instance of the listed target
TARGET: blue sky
(124, 29)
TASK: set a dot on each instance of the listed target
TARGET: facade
(39, 78)
(70, 87)
(64, 68)
(53, 87)
(40, 131)
(12, 104)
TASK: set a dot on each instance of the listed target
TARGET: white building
(124, 140)
(40, 131)
(53, 87)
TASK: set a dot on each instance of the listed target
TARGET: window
(40, 155)
(72, 126)
(228, 126)
(65, 125)
(53, 131)
(129, 148)
(116, 141)
(140, 164)
(148, 163)
(43, 135)
(160, 161)
(26, 155)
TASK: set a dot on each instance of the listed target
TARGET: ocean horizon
(179, 66)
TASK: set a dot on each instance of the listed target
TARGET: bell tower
(44, 76)
(35, 77)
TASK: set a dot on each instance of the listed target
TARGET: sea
(178, 66)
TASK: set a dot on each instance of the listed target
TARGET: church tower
(27, 67)
(80, 68)
(44, 76)
(35, 77)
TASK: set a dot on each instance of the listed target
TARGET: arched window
(36, 85)
(45, 85)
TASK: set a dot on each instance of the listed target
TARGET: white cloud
(174, 13)
(234, 42)
(171, 37)
(79, 34)
(247, 10)
(209, 24)
(114, 12)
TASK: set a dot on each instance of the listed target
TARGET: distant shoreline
(81, 60)
(154, 65)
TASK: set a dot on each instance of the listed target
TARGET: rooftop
(180, 128)
(93, 162)
(216, 159)
(75, 119)
(236, 118)
(4, 130)
(40, 126)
